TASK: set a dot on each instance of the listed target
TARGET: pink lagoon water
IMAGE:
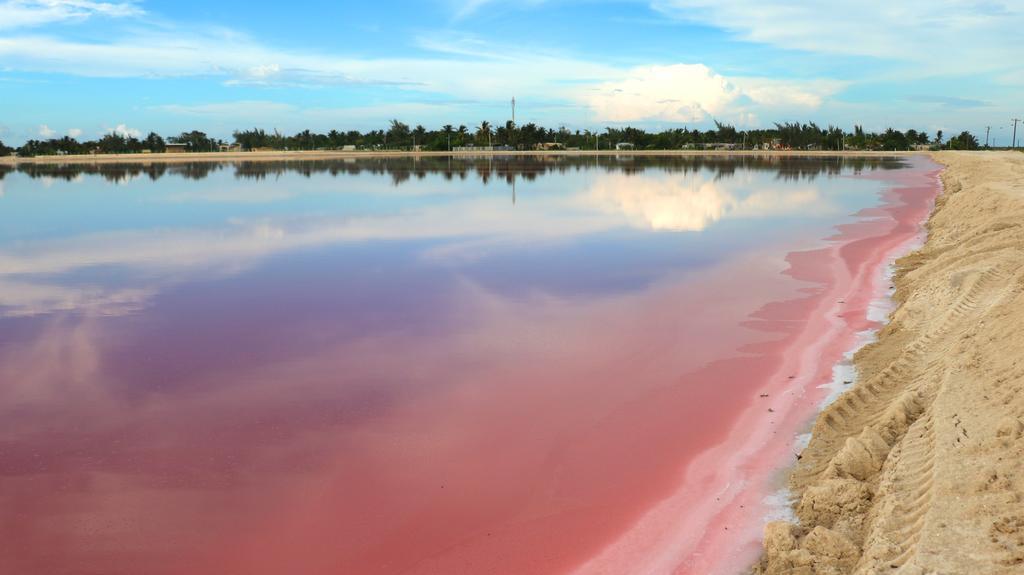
(450, 366)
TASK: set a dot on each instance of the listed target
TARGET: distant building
(230, 147)
(175, 148)
(624, 146)
(348, 148)
(547, 146)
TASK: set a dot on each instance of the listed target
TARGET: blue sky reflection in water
(239, 367)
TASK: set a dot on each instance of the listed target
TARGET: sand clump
(919, 468)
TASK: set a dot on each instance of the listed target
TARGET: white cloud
(125, 132)
(74, 132)
(678, 93)
(462, 67)
(694, 92)
(46, 131)
(240, 60)
(237, 109)
(788, 93)
(945, 35)
(27, 13)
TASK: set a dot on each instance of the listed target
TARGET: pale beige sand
(919, 468)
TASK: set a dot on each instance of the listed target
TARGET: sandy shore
(337, 154)
(919, 467)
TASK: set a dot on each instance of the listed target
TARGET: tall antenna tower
(513, 110)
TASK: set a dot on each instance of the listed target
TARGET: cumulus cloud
(694, 92)
(28, 13)
(680, 93)
(788, 93)
(125, 132)
(74, 132)
(46, 131)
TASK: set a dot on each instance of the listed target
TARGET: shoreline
(836, 308)
(343, 155)
(915, 468)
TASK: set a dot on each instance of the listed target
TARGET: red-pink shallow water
(621, 432)
(713, 522)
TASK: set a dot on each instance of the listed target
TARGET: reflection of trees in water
(115, 173)
(507, 168)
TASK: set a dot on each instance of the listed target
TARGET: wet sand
(919, 467)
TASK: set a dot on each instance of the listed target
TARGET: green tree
(419, 135)
(398, 134)
(965, 141)
(483, 134)
(195, 140)
(251, 139)
(154, 143)
(447, 130)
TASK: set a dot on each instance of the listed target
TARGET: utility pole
(987, 129)
(1015, 120)
(513, 130)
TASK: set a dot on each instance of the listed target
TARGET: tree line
(509, 168)
(400, 136)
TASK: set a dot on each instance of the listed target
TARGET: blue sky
(84, 67)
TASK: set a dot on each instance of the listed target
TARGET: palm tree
(463, 132)
(447, 129)
(483, 133)
(398, 133)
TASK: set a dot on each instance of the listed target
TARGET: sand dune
(919, 468)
